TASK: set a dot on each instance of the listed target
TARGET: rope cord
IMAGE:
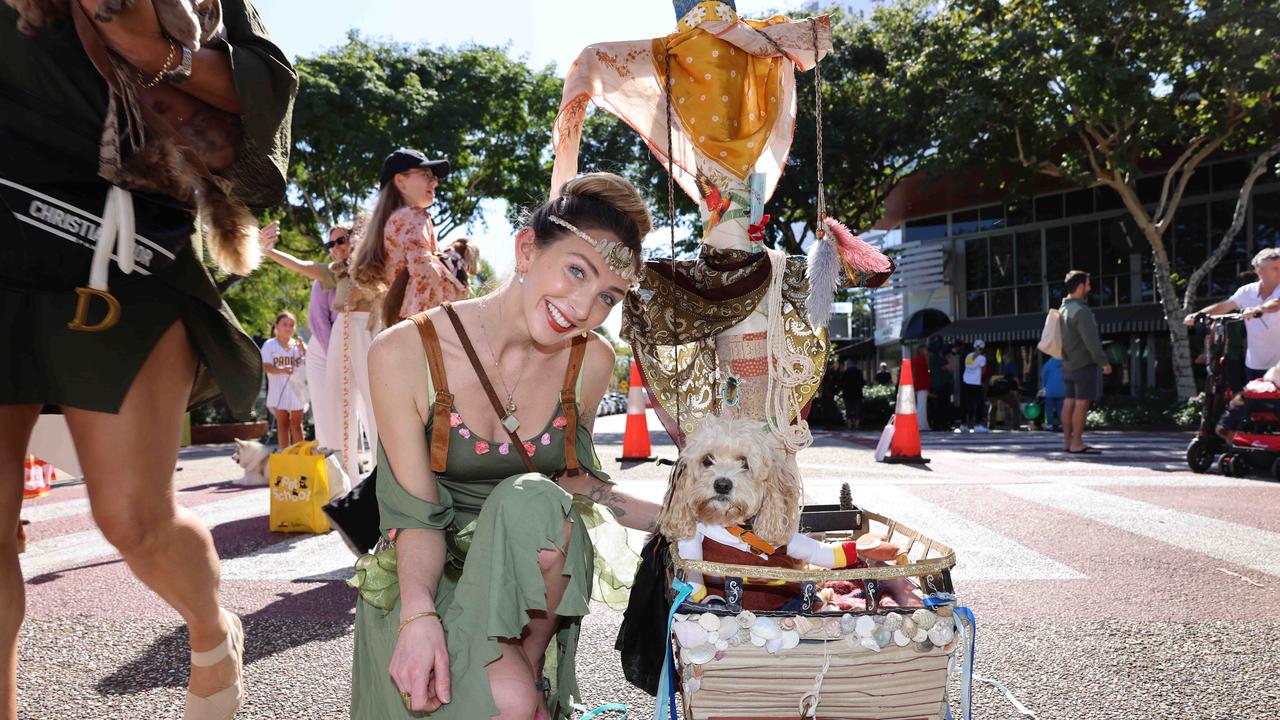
(821, 230)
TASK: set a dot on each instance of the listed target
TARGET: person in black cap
(397, 256)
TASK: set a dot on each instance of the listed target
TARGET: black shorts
(1082, 383)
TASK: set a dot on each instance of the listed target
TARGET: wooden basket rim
(924, 566)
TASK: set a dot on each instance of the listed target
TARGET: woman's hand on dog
(420, 665)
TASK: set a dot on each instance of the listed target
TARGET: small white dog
(734, 475)
(252, 457)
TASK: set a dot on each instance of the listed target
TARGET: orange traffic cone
(635, 442)
(905, 446)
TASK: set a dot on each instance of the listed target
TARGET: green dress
(496, 516)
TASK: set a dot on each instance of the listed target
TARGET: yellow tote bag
(299, 489)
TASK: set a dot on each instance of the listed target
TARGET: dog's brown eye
(743, 461)
(708, 461)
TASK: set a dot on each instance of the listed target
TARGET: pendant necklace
(509, 421)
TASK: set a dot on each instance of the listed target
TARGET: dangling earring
(520, 277)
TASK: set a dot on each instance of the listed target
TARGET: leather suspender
(443, 404)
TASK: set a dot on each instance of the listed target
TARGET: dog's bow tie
(752, 539)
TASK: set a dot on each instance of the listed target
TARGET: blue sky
(542, 32)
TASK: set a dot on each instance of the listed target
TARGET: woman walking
(484, 476)
(127, 355)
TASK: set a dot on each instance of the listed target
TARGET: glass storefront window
(1049, 207)
(1031, 299)
(975, 304)
(1266, 221)
(1084, 248)
(1057, 253)
(1104, 198)
(1001, 259)
(1120, 241)
(977, 271)
(1029, 269)
(1017, 211)
(1225, 277)
(930, 228)
(991, 217)
(1230, 175)
(1079, 202)
(963, 223)
(1190, 239)
(1002, 302)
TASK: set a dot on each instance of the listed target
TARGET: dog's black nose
(723, 485)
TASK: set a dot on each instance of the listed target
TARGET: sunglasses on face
(334, 243)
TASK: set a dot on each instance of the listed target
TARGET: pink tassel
(856, 253)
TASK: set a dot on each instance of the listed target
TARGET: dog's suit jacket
(714, 543)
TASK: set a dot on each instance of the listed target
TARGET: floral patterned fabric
(409, 241)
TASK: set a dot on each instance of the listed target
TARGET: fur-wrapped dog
(161, 139)
(736, 499)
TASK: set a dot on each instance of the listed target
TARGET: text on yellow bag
(299, 489)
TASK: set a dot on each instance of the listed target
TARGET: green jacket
(1081, 344)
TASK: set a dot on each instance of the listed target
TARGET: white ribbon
(116, 233)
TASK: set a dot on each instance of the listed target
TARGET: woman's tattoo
(604, 495)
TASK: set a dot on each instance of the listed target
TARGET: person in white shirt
(972, 402)
(1262, 337)
(282, 356)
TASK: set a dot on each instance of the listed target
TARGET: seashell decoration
(709, 622)
(805, 626)
(727, 630)
(763, 631)
(832, 627)
(846, 623)
(722, 645)
(883, 636)
(908, 626)
(900, 639)
(692, 685)
(945, 611)
(774, 645)
(941, 634)
(788, 623)
(924, 619)
(865, 626)
(698, 655)
(869, 643)
(698, 671)
(893, 621)
(923, 647)
(690, 634)
(734, 641)
(920, 636)
(790, 639)
(746, 618)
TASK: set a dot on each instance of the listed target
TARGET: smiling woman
(491, 481)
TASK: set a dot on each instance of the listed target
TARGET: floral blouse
(409, 241)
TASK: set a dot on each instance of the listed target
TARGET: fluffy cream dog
(733, 474)
(252, 457)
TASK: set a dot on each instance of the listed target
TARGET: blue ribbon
(964, 614)
(607, 707)
(667, 684)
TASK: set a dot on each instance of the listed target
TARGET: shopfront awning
(1027, 328)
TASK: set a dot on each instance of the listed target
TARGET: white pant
(359, 403)
(922, 409)
(323, 408)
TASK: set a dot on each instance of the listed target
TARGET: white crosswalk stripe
(300, 557)
(983, 554)
(69, 551)
(1231, 542)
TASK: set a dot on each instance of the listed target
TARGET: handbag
(1051, 337)
(299, 483)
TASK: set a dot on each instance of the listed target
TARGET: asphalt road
(1113, 586)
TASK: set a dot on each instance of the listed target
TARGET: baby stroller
(1256, 445)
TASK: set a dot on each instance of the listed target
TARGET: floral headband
(617, 256)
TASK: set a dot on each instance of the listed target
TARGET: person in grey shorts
(1082, 355)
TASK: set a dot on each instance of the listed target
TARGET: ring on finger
(407, 700)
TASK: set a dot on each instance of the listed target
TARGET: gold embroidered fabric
(673, 321)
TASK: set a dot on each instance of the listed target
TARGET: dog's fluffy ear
(779, 516)
(240, 444)
(677, 520)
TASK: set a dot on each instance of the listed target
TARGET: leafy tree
(1094, 93)
(488, 113)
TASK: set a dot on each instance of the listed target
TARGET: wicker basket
(833, 662)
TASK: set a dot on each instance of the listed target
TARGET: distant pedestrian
(972, 402)
(283, 355)
(883, 376)
(1082, 355)
(462, 257)
(920, 381)
(1051, 381)
(852, 385)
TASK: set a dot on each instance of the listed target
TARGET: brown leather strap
(442, 406)
(569, 405)
(488, 386)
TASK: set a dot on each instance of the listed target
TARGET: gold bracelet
(148, 83)
(417, 616)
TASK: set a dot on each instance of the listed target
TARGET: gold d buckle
(82, 310)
